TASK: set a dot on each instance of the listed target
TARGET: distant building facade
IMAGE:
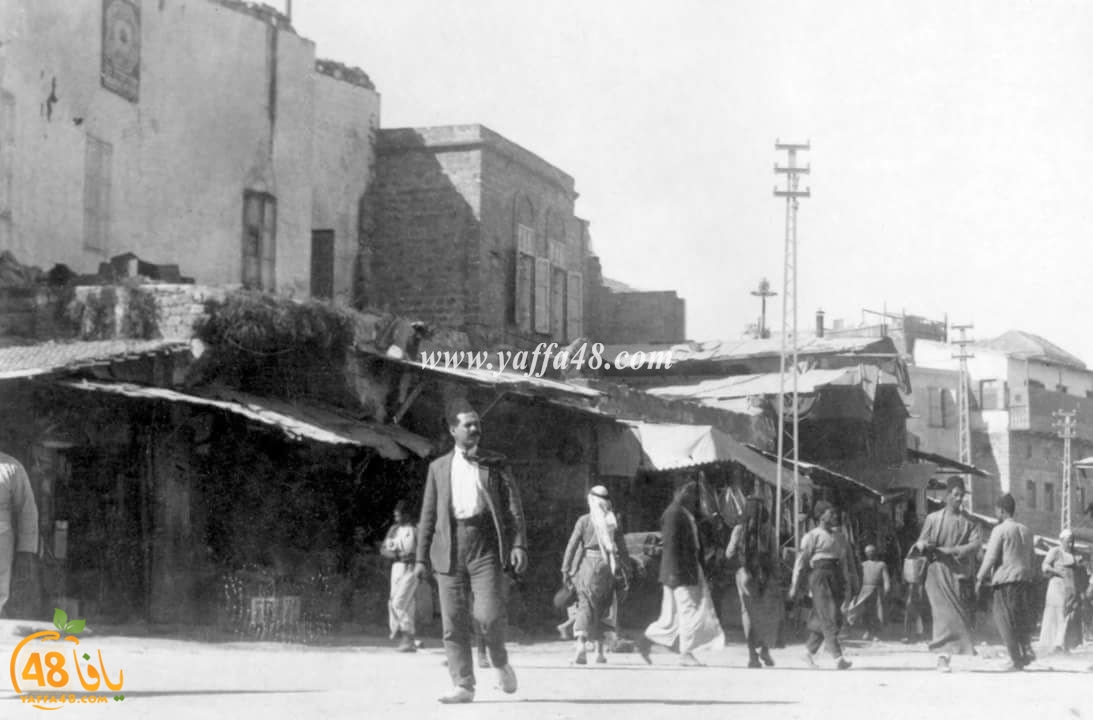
(204, 134)
(643, 317)
(1018, 381)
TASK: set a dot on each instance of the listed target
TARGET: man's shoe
(645, 649)
(843, 664)
(689, 660)
(456, 696)
(601, 659)
(754, 663)
(810, 660)
(507, 677)
(581, 658)
(943, 665)
(406, 645)
(483, 660)
(764, 655)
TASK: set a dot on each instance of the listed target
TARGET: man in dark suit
(471, 530)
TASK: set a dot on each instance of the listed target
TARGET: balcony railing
(1019, 417)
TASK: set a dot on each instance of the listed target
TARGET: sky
(948, 141)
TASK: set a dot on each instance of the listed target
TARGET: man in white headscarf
(591, 565)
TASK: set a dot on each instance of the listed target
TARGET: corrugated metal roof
(736, 387)
(740, 386)
(719, 350)
(506, 379)
(30, 360)
(296, 421)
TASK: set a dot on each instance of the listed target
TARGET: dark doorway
(322, 264)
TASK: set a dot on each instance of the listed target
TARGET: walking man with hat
(826, 556)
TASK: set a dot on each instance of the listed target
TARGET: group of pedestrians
(472, 533)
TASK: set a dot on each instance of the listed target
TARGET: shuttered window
(542, 295)
(574, 316)
(525, 276)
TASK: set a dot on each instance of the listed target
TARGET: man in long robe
(950, 540)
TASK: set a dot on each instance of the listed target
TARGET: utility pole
(963, 413)
(763, 293)
(1064, 423)
(789, 333)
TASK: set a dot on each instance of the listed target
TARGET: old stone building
(201, 134)
(474, 231)
(636, 316)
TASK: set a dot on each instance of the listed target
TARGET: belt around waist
(825, 564)
(481, 520)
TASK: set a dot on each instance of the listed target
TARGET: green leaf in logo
(76, 626)
(60, 618)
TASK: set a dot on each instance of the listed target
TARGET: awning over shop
(823, 476)
(297, 421)
(1085, 464)
(945, 464)
(23, 361)
(669, 446)
(813, 404)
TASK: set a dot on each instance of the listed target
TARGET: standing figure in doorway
(400, 546)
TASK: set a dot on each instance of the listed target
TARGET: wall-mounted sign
(121, 48)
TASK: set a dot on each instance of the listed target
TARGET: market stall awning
(24, 361)
(671, 446)
(297, 421)
(822, 393)
(945, 464)
(1085, 464)
(821, 475)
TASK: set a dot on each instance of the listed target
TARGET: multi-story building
(1017, 382)
(475, 232)
(203, 134)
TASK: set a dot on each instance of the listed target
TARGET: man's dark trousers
(476, 571)
(1010, 609)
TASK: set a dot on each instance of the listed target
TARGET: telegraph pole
(963, 413)
(789, 331)
(763, 293)
(1064, 423)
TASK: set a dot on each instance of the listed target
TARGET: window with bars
(259, 241)
(98, 159)
(1049, 497)
(1030, 494)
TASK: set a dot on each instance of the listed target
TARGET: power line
(1065, 424)
(789, 331)
(963, 412)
